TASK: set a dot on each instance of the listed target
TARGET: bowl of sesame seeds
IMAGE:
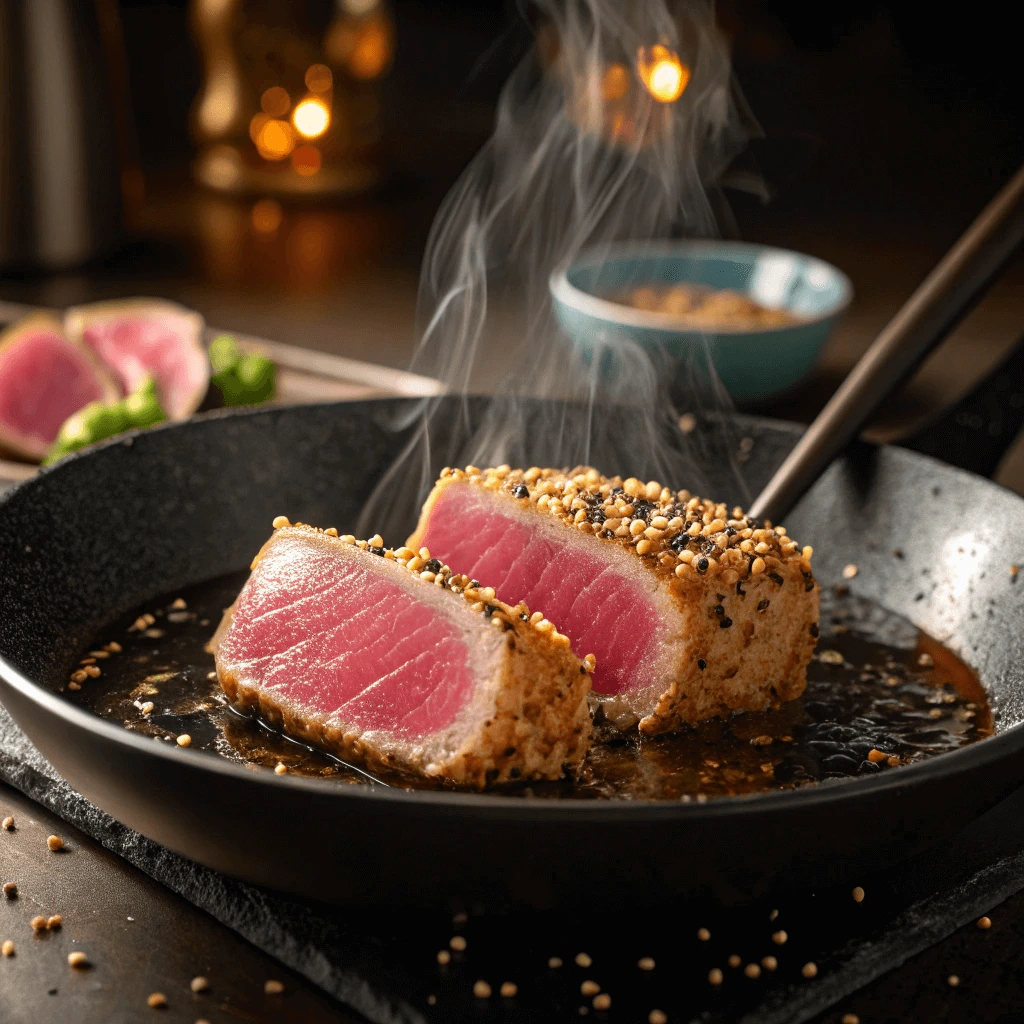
(763, 313)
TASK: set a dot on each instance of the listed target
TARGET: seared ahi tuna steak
(388, 659)
(691, 611)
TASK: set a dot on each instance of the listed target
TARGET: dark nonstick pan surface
(142, 516)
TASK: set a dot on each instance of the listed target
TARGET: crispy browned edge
(539, 728)
(694, 694)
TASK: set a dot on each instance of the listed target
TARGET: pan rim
(575, 809)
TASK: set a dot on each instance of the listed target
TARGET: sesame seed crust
(529, 719)
(727, 578)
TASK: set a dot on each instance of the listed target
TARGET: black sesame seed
(702, 565)
(520, 491)
(617, 490)
(596, 515)
(739, 588)
(509, 751)
(379, 551)
(762, 605)
(730, 531)
(474, 584)
(708, 547)
(701, 664)
(814, 629)
(490, 609)
(808, 586)
(719, 610)
(678, 542)
(775, 576)
(643, 510)
(725, 623)
(433, 565)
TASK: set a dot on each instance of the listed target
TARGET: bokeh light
(615, 83)
(307, 160)
(311, 118)
(256, 126)
(266, 216)
(275, 140)
(664, 75)
(319, 78)
(275, 101)
(370, 56)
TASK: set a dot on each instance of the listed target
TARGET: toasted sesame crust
(718, 567)
(529, 719)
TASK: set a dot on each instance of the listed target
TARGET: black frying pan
(139, 517)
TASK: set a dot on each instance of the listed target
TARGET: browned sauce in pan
(879, 694)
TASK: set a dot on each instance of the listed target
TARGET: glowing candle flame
(664, 75)
(311, 118)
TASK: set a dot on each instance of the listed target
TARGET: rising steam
(613, 128)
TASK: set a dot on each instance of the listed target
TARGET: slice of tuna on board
(692, 610)
(140, 338)
(44, 379)
(388, 659)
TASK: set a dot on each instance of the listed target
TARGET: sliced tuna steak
(44, 379)
(141, 338)
(691, 611)
(387, 659)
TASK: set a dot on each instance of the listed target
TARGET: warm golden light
(371, 50)
(275, 101)
(266, 216)
(256, 126)
(307, 160)
(319, 78)
(311, 118)
(615, 84)
(275, 140)
(664, 75)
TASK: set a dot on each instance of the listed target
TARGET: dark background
(885, 129)
(896, 107)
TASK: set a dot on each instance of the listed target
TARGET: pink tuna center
(43, 380)
(136, 348)
(332, 636)
(603, 611)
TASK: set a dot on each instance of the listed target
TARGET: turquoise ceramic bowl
(753, 364)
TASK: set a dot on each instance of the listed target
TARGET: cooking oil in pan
(879, 695)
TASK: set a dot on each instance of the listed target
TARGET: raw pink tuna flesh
(160, 341)
(43, 380)
(346, 641)
(604, 612)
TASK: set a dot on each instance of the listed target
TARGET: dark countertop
(138, 936)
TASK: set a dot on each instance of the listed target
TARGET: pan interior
(876, 687)
(105, 532)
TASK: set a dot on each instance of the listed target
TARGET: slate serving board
(385, 966)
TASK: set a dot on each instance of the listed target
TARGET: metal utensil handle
(939, 302)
